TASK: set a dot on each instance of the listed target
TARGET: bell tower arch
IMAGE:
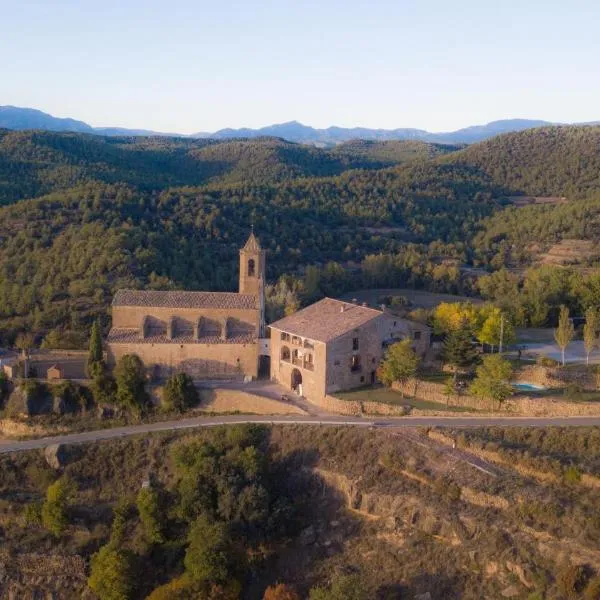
(252, 267)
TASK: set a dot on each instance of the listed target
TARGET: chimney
(354, 301)
(343, 308)
(364, 304)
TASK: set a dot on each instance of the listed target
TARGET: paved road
(119, 432)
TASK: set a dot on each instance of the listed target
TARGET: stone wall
(200, 361)
(517, 405)
(354, 408)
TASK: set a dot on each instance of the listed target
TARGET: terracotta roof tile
(327, 319)
(178, 299)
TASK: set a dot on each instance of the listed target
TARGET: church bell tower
(252, 274)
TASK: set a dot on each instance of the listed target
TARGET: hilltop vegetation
(162, 212)
(547, 161)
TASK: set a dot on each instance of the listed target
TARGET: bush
(592, 590)
(54, 510)
(281, 591)
(571, 581)
(445, 487)
(151, 514)
(130, 376)
(33, 514)
(180, 393)
(546, 361)
(112, 574)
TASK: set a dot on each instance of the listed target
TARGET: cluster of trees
(226, 501)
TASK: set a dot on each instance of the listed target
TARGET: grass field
(379, 393)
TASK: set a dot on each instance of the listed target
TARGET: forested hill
(34, 163)
(548, 161)
(163, 213)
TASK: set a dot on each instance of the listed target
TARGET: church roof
(326, 320)
(252, 245)
(178, 299)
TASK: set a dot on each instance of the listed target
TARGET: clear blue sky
(197, 65)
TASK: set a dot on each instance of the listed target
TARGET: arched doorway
(296, 381)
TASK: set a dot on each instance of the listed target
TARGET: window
(251, 268)
(285, 337)
(336, 363)
(362, 379)
(355, 344)
(308, 344)
(285, 353)
(355, 363)
(417, 335)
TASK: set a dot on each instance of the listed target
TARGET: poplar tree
(590, 330)
(565, 331)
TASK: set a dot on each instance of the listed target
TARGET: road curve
(7, 446)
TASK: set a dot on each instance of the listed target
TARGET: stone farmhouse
(334, 345)
(214, 335)
(327, 347)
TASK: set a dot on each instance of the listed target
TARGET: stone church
(209, 335)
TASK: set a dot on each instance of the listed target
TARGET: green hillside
(34, 163)
(161, 212)
(548, 161)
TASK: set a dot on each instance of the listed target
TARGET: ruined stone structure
(333, 346)
(209, 335)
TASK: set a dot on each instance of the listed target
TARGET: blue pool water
(528, 387)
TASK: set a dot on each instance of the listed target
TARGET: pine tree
(459, 351)
(565, 331)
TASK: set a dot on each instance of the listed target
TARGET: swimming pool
(527, 387)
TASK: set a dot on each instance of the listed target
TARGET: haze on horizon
(200, 66)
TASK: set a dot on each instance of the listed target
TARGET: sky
(193, 65)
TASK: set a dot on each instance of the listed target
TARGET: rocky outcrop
(28, 399)
(57, 456)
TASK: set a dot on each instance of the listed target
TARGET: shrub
(281, 591)
(112, 574)
(206, 558)
(151, 514)
(33, 514)
(54, 510)
(130, 376)
(592, 590)
(572, 474)
(180, 393)
(546, 361)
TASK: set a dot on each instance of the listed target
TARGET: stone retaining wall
(518, 405)
(355, 408)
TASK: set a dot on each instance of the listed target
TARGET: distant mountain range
(13, 117)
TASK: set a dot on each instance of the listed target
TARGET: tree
(24, 341)
(112, 573)
(399, 364)
(565, 331)
(95, 363)
(496, 329)
(458, 350)
(104, 388)
(281, 591)
(206, 558)
(151, 514)
(130, 376)
(180, 393)
(55, 508)
(493, 380)
(590, 332)
(4, 387)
